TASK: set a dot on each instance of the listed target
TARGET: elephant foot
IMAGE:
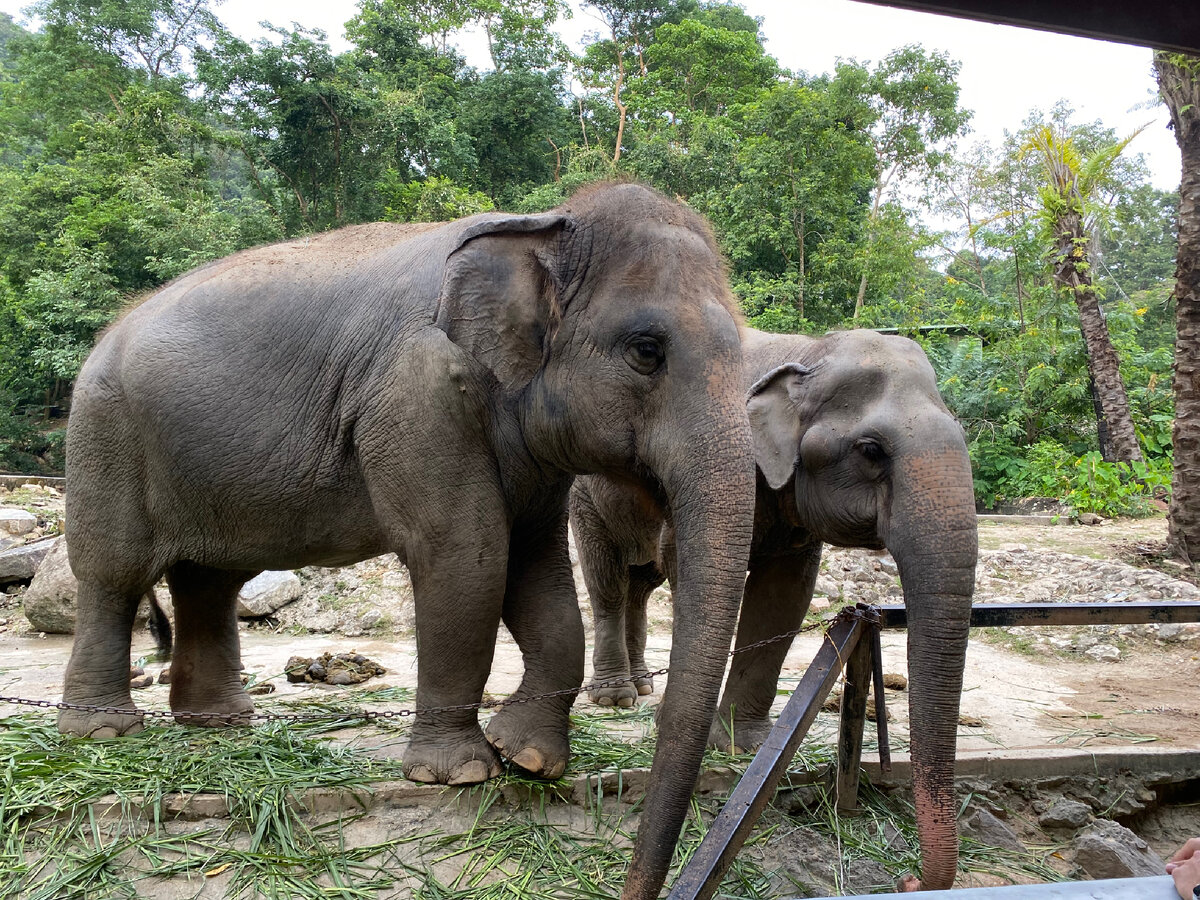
(454, 762)
(538, 747)
(101, 724)
(644, 686)
(210, 711)
(623, 695)
(744, 736)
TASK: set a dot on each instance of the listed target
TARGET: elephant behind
(429, 390)
(854, 447)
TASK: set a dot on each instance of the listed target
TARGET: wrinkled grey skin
(431, 391)
(854, 447)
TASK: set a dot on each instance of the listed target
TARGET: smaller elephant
(854, 447)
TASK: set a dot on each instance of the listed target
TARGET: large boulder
(50, 599)
(266, 592)
(17, 521)
(1106, 849)
(21, 563)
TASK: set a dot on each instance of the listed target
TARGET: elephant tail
(160, 627)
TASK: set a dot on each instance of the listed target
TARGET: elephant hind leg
(642, 582)
(98, 672)
(207, 664)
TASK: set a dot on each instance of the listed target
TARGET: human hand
(1184, 868)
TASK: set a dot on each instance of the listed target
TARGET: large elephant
(854, 447)
(429, 390)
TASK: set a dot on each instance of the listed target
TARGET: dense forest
(140, 138)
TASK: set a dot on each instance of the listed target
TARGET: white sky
(1006, 71)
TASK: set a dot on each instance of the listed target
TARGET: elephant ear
(773, 406)
(504, 290)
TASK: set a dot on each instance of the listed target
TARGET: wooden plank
(987, 615)
(856, 684)
(702, 876)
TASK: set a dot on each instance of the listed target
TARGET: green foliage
(140, 139)
(431, 199)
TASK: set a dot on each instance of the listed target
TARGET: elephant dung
(339, 669)
(266, 592)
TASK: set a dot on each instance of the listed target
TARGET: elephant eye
(870, 450)
(644, 354)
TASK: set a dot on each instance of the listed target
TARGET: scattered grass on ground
(57, 841)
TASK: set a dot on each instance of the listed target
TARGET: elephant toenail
(423, 774)
(471, 772)
(530, 760)
(605, 701)
(625, 702)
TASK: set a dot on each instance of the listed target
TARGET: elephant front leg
(541, 611)
(458, 592)
(642, 582)
(98, 672)
(607, 580)
(778, 592)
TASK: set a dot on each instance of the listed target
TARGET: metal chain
(371, 714)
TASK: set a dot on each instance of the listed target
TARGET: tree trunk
(1071, 271)
(1179, 81)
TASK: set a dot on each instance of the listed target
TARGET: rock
(21, 563)
(1066, 813)
(984, 827)
(143, 681)
(895, 681)
(1103, 653)
(819, 604)
(827, 586)
(164, 677)
(266, 592)
(50, 599)
(1109, 850)
(1089, 518)
(17, 521)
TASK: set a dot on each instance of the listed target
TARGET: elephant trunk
(711, 499)
(932, 535)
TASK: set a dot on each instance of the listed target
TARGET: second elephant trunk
(932, 535)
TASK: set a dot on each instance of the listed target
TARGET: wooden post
(856, 686)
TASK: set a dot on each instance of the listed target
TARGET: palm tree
(1070, 207)
(1179, 83)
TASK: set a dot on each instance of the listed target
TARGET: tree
(1071, 203)
(790, 203)
(914, 99)
(1179, 82)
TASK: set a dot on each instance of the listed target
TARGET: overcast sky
(1006, 71)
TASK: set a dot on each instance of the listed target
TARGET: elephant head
(610, 329)
(855, 420)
